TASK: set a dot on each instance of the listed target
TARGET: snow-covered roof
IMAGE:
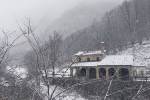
(85, 53)
(109, 60)
(117, 60)
(85, 64)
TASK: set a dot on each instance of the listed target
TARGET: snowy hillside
(141, 53)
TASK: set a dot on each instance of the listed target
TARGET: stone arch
(124, 74)
(102, 73)
(111, 72)
(83, 72)
(92, 73)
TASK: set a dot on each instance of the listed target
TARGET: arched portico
(102, 73)
(124, 73)
(105, 72)
(111, 72)
(92, 73)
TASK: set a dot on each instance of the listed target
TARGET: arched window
(92, 73)
(111, 72)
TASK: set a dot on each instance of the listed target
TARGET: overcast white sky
(13, 11)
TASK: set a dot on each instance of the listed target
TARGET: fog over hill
(81, 16)
(84, 14)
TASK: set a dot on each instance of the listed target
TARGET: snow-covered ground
(16, 70)
(64, 96)
(141, 53)
(65, 72)
(72, 96)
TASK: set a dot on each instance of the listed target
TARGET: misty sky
(14, 11)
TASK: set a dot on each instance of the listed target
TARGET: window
(83, 72)
(135, 73)
(79, 59)
(142, 73)
(88, 59)
(97, 59)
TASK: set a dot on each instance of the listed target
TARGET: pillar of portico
(97, 73)
(87, 73)
(130, 73)
(71, 72)
(107, 73)
(117, 73)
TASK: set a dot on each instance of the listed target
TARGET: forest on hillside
(124, 25)
(119, 28)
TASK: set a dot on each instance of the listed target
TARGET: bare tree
(11, 85)
(46, 57)
(54, 51)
